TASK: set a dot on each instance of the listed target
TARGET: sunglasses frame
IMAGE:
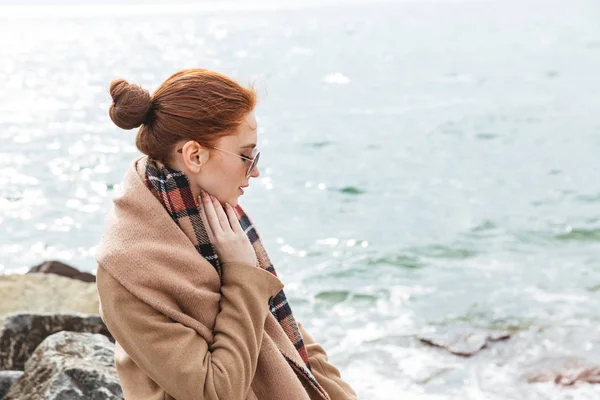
(254, 159)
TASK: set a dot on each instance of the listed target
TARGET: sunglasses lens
(253, 165)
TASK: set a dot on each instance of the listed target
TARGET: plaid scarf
(172, 189)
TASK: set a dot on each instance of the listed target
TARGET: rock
(69, 366)
(46, 293)
(462, 341)
(59, 268)
(22, 333)
(7, 379)
(562, 370)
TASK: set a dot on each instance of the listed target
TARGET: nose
(255, 173)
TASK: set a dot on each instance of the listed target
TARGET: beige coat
(182, 333)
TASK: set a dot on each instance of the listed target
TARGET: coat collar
(144, 249)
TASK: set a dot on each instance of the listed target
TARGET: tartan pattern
(172, 189)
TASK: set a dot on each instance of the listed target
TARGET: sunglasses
(253, 161)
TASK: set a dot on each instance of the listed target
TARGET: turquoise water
(423, 164)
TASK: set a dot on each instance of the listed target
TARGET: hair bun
(131, 104)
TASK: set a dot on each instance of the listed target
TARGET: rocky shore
(53, 343)
(55, 346)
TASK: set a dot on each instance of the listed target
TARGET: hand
(225, 232)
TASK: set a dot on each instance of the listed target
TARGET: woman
(186, 287)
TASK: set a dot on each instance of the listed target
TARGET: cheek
(223, 179)
(232, 176)
(227, 170)
(236, 171)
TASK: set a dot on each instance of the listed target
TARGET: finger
(204, 218)
(211, 214)
(221, 215)
(233, 219)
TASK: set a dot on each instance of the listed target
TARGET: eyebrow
(248, 146)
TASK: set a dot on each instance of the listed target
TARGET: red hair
(194, 104)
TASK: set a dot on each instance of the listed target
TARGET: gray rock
(62, 269)
(22, 333)
(69, 366)
(7, 379)
(462, 341)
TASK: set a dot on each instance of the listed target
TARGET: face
(219, 172)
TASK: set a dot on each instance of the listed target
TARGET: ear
(194, 156)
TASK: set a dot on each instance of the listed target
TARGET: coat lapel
(131, 244)
(287, 349)
(283, 343)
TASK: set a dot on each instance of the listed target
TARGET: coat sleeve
(175, 356)
(326, 373)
